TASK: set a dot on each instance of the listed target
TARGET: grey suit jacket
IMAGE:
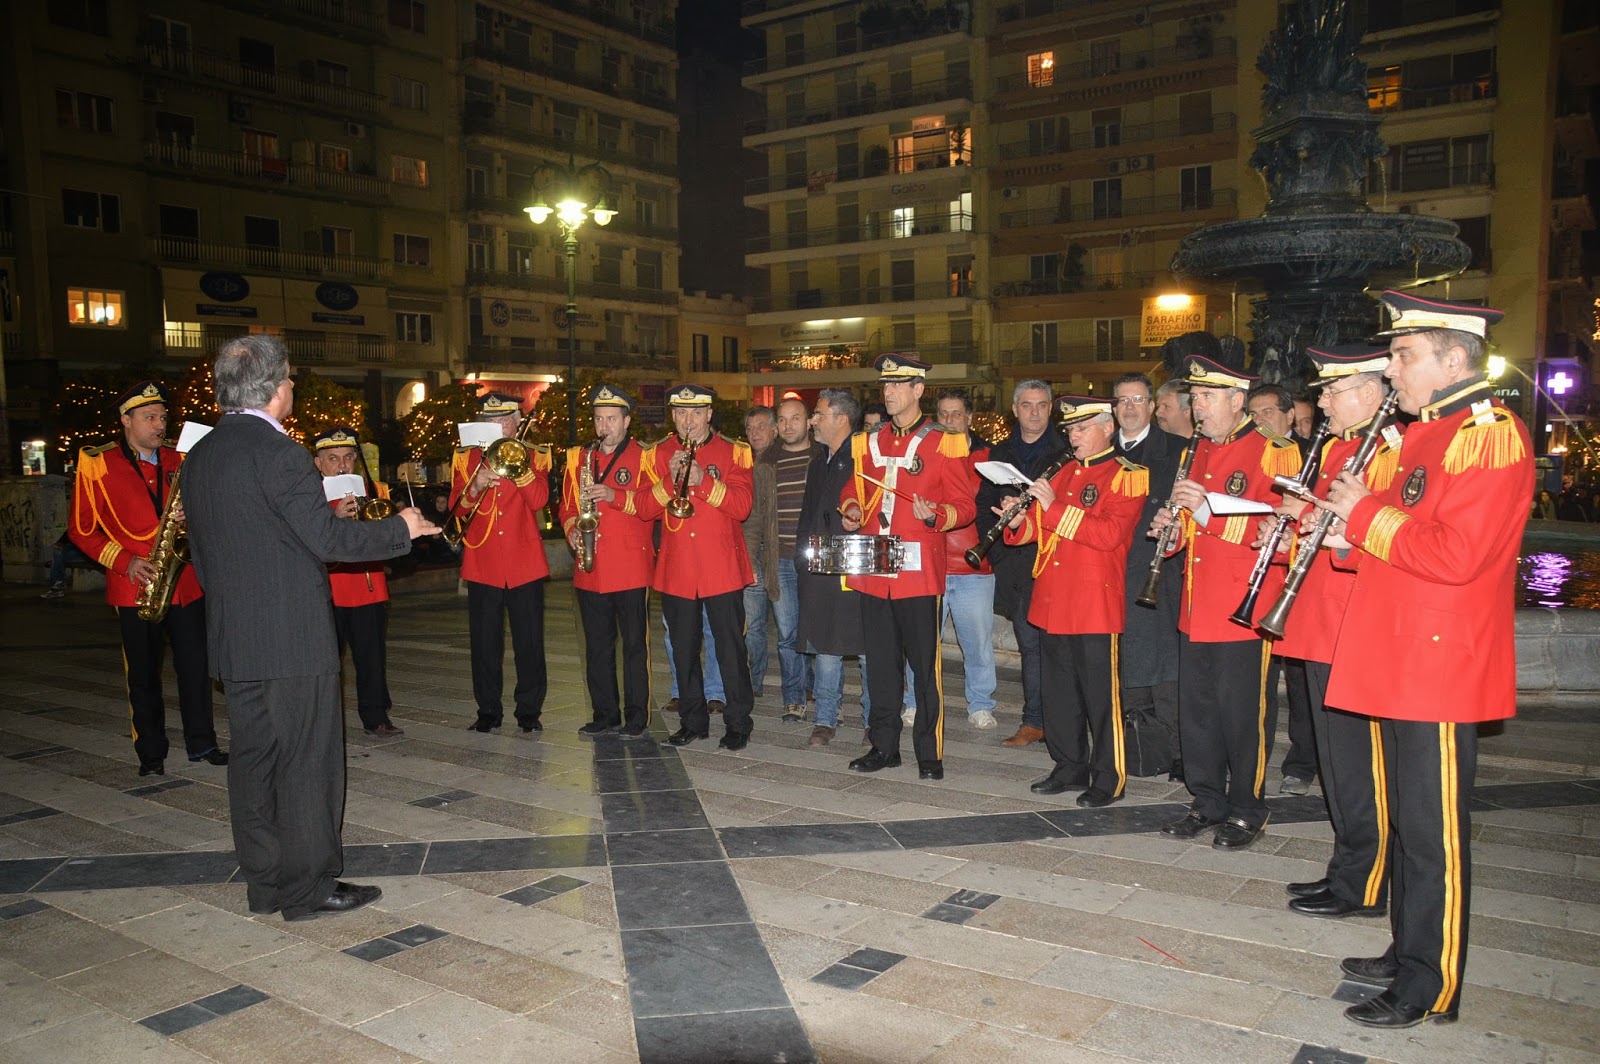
(260, 535)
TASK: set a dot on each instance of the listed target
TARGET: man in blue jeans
(760, 542)
(790, 460)
(828, 625)
(968, 592)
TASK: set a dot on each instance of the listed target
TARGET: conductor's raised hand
(416, 524)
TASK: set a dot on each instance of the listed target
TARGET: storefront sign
(1157, 324)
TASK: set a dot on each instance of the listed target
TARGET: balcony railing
(1215, 199)
(644, 92)
(862, 295)
(938, 353)
(916, 26)
(302, 346)
(663, 33)
(870, 101)
(555, 354)
(1117, 136)
(1112, 65)
(1022, 9)
(355, 14)
(487, 121)
(1064, 286)
(934, 218)
(228, 70)
(1428, 178)
(181, 251)
(590, 289)
(1385, 99)
(277, 172)
(877, 163)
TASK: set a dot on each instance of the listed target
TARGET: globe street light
(571, 186)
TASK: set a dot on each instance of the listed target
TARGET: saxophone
(169, 554)
(588, 523)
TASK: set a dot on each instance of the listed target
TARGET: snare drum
(852, 555)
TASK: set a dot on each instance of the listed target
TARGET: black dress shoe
(930, 770)
(733, 742)
(1331, 906)
(874, 760)
(346, 898)
(630, 731)
(528, 727)
(1190, 826)
(594, 729)
(1095, 798)
(486, 727)
(1373, 971)
(1048, 785)
(1305, 890)
(385, 731)
(212, 757)
(152, 768)
(1387, 1010)
(683, 737)
(1236, 833)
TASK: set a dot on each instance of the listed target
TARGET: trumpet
(1278, 617)
(1150, 594)
(1258, 574)
(975, 555)
(588, 521)
(374, 508)
(680, 505)
(509, 459)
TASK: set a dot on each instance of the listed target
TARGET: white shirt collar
(1125, 443)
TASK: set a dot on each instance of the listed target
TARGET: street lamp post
(571, 185)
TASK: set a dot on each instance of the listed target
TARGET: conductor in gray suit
(260, 535)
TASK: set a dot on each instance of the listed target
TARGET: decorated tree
(430, 427)
(320, 402)
(86, 409)
(196, 397)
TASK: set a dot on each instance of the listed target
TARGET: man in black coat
(1149, 649)
(829, 628)
(260, 535)
(1033, 444)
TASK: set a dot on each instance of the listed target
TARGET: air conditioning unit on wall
(1011, 192)
(355, 129)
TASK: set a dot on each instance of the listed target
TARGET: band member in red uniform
(360, 590)
(614, 593)
(1434, 601)
(503, 563)
(1349, 753)
(1223, 723)
(931, 489)
(702, 498)
(121, 491)
(1083, 519)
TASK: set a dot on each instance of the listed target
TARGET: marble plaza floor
(557, 900)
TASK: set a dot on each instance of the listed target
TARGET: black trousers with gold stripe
(1431, 769)
(1225, 727)
(901, 632)
(606, 617)
(1083, 710)
(185, 628)
(1350, 760)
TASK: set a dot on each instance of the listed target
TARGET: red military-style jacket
(502, 546)
(962, 539)
(1429, 633)
(1313, 624)
(625, 556)
(116, 505)
(1080, 574)
(359, 583)
(1220, 558)
(703, 554)
(938, 470)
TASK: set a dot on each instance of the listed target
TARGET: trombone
(507, 458)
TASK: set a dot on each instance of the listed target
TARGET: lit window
(1041, 69)
(406, 170)
(904, 222)
(333, 157)
(1383, 88)
(94, 308)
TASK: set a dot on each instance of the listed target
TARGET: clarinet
(1280, 527)
(975, 555)
(1151, 594)
(1273, 623)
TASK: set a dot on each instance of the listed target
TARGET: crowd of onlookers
(1576, 502)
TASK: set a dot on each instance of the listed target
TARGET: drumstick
(907, 496)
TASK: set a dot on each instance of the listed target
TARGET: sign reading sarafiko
(1159, 324)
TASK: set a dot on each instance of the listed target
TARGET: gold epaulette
(92, 462)
(858, 445)
(1384, 465)
(543, 459)
(573, 455)
(102, 449)
(1132, 480)
(647, 459)
(458, 462)
(743, 457)
(1494, 444)
(1280, 457)
(952, 444)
